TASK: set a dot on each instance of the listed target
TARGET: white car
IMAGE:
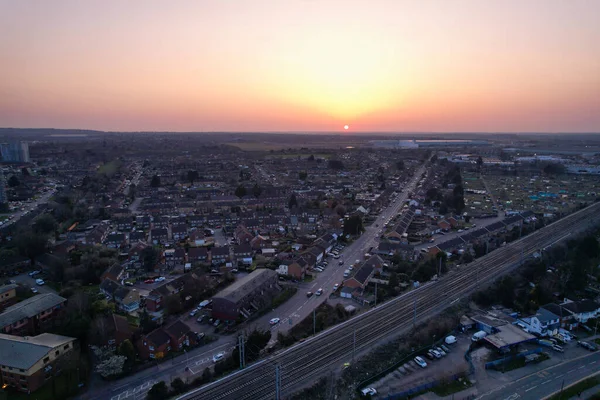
(369, 391)
(319, 292)
(420, 362)
(159, 279)
(218, 357)
(274, 321)
(39, 282)
(336, 286)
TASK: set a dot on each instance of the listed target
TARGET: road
(318, 355)
(299, 306)
(295, 309)
(547, 381)
(29, 206)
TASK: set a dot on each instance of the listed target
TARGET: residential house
(160, 222)
(126, 298)
(242, 234)
(137, 236)
(143, 222)
(115, 272)
(180, 334)
(115, 240)
(33, 315)
(97, 235)
(197, 238)
(8, 295)
(297, 268)
(243, 254)
(197, 255)
(219, 255)
(154, 345)
(582, 310)
(159, 235)
(118, 330)
(196, 221)
(28, 363)
(252, 291)
(543, 322)
(179, 232)
(124, 224)
(365, 273)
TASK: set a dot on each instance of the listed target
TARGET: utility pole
(242, 350)
(277, 383)
(314, 321)
(375, 294)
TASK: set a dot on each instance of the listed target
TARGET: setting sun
(346, 127)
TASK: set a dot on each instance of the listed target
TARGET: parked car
(127, 283)
(420, 362)
(558, 348)
(160, 279)
(369, 391)
(193, 313)
(274, 321)
(34, 273)
(149, 281)
(446, 349)
(217, 322)
(201, 318)
(436, 353)
(336, 286)
(34, 290)
(430, 355)
(39, 282)
(439, 350)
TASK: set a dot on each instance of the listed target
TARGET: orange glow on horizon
(268, 65)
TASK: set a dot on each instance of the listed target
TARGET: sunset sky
(301, 65)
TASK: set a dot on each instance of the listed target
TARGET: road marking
(531, 388)
(558, 376)
(549, 380)
(583, 366)
(593, 362)
(192, 371)
(571, 370)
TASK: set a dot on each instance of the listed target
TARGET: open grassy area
(448, 388)
(110, 168)
(571, 391)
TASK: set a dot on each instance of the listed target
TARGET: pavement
(25, 280)
(291, 312)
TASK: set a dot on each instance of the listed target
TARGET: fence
(396, 365)
(422, 388)
(491, 364)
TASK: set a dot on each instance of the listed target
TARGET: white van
(450, 339)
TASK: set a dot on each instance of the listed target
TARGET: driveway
(26, 280)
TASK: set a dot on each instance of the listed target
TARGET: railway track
(309, 360)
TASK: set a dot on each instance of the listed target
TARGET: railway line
(309, 360)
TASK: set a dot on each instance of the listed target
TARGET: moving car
(420, 362)
(308, 294)
(274, 321)
(218, 357)
(336, 286)
(319, 292)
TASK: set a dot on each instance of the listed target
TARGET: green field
(110, 168)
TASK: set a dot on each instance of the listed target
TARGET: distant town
(155, 265)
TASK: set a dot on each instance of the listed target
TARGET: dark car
(308, 294)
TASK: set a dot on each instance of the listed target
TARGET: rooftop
(24, 352)
(242, 287)
(30, 307)
(509, 335)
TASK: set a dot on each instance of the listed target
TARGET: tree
(146, 323)
(155, 182)
(400, 165)
(126, 349)
(255, 342)
(335, 164)
(393, 282)
(302, 175)
(589, 247)
(192, 176)
(206, 375)
(340, 210)
(256, 190)
(554, 169)
(100, 330)
(173, 304)
(13, 181)
(149, 258)
(240, 191)
(159, 391)
(311, 158)
(31, 245)
(111, 366)
(353, 225)
(178, 386)
(293, 202)
(479, 162)
(45, 224)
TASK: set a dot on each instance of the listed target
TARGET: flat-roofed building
(33, 315)
(27, 363)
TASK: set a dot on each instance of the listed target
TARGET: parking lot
(28, 281)
(411, 375)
